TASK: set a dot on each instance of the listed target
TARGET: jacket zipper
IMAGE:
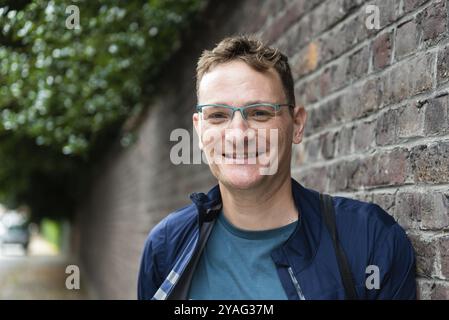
(296, 284)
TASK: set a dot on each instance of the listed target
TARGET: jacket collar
(209, 205)
(302, 244)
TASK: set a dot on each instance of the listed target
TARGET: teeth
(241, 156)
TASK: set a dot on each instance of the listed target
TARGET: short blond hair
(253, 52)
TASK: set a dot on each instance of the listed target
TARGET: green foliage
(51, 231)
(62, 91)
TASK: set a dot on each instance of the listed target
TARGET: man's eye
(218, 115)
(260, 114)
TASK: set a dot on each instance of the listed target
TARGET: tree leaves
(62, 89)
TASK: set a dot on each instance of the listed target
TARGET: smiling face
(239, 152)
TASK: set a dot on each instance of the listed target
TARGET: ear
(299, 123)
(196, 125)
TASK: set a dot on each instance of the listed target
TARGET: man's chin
(242, 178)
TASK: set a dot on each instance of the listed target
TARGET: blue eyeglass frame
(276, 106)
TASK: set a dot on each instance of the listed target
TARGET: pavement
(36, 274)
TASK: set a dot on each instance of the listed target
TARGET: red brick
(427, 211)
(353, 32)
(315, 178)
(384, 169)
(408, 209)
(423, 288)
(406, 39)
(382, 47)
(437, 115)
(410, 121)
(386, 128)
(328, 141)
(440, 291)
(389, 11)
(393, 167)
(325, 115)
(326, 82)
(435, 210)
(310, 150)
(410, 5)
(443, 246)
(408, 78)
(312, 90)
(339, 175)
(433, 22)
(386, 201)
(281, 23)
(443, 65)
(364, 136)
(425, 252)
(344, 144)
(430, 163)
(360, 101)
(307, 60)
(358, 63)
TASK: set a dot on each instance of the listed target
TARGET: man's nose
(237, 129)
(238, 122)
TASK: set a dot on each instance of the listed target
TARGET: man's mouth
(241, 155)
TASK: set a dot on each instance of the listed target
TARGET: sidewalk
(38, 275)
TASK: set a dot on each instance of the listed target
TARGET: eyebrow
(246, 104)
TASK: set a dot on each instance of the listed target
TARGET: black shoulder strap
(181, 289)
(327, 209)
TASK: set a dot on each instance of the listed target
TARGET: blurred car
(14, 230)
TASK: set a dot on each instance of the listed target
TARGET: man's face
(240, 153)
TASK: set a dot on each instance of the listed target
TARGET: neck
(262, 208)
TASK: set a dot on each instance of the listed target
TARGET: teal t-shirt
(236, 264)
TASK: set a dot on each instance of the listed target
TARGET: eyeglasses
(258, 114)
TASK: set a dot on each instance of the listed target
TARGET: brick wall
(378, 129)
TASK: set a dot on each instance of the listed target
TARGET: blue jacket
(306, 263)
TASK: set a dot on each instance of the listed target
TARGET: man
(259, 234)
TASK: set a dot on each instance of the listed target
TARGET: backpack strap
(327, 209)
